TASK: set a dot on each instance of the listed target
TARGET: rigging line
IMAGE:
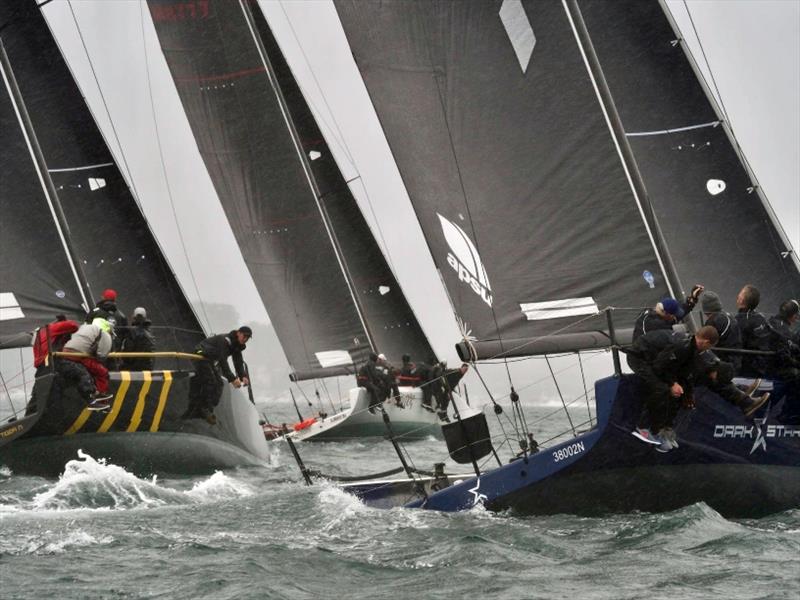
(340, 139)
(748, 167)
(24, 379)
(103, 98)
(82, 284)
(585, 389)
(560, 395)
(8, 395)
(463, 188)
(131, 184)
(341, 142)
(250, 22)
(164, 172)
(496, 405)
(708, 66)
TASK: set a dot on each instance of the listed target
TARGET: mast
(306, 169)
(625, 151)
(44, 178)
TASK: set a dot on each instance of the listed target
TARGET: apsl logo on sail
(465, 260)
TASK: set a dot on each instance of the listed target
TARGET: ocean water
(101, 532)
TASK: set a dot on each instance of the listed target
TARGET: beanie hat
(711, 303)
(109, 294)
(672, 307)
(244, 329)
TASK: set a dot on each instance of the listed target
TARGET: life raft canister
(304, 424)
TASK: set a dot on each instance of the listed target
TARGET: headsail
(712, 216)
(107, 230)
(511, 167)
(329, 292)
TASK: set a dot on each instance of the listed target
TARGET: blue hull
(739, 467)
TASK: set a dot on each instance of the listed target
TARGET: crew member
(447, 382)
(408, 373)
(755, 331)
(51, 338)
(665, 361)
(369, 378)
(785, 341)
(666, 313)
(207, 385)
(139, 339)
(107, 309)
(388, 383)
(94, 341)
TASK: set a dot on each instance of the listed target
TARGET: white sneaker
(647, 436)
(669, 434)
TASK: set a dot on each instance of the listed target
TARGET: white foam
(94, 484)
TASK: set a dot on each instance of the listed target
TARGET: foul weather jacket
(729, 336)
(218, 348)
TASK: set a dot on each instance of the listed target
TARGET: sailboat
(329, 291)
(569, 168)
(70, 226)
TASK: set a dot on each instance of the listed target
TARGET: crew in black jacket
(755, 330)
(207, 385)
(785, 341)
(106, 308)
(139, 339)
(369, 378)
(665, 314)
(666, 362)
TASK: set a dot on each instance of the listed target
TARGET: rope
(560, 395)
(585, 389)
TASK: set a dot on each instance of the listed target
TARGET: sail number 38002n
(567, 451)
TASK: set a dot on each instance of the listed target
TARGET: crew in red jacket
(51, 338)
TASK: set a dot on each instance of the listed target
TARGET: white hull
(409, 419)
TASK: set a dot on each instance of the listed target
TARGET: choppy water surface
(99, 531)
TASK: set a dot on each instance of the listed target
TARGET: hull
(145, 430)
(739, 467)
(409, 420)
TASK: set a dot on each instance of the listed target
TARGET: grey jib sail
(504, 149)
(105, 227)
(327, 287)
(712, 216)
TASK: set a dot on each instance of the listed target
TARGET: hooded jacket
(218, 348)
(91, 340)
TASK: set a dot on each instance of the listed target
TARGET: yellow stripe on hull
(79, 422)
(119, 399)
(136, 419)
(162, 401)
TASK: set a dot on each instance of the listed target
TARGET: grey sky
(753, 48)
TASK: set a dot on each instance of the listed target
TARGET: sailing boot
(749, 405)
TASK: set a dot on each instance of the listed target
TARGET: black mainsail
(102, 221)
(509, 160)
(329, 292)
(713, 216)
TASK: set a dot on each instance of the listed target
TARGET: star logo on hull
(477, 497)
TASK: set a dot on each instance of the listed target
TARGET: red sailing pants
(96, 369)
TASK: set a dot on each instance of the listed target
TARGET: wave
(93, 484)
